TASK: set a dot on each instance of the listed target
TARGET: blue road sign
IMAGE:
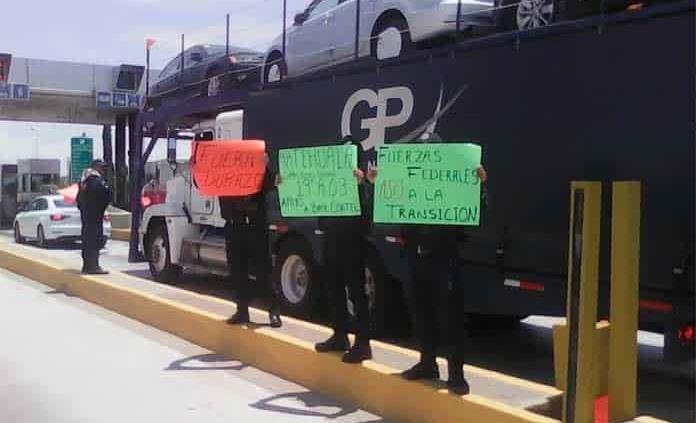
(134, 101)
(21, 92)
(120, 100)
(103, 99)
(5, 91)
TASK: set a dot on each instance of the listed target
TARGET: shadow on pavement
(207, 359)
(310, 400)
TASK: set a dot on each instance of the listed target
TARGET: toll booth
(8, 195)
(36, 177)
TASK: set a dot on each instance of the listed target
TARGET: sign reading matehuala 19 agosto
(434, 184)
(319, 181)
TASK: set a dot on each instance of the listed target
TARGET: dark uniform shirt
(252, 207)
(93, 197)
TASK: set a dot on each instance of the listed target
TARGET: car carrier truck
(603, 98)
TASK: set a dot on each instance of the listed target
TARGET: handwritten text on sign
(428, 184)
(319, 181)
(229, 168)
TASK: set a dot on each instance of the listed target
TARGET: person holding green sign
(432, 252)
(344, 264)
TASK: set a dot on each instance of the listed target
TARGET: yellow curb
(120, 234)
(370, 386)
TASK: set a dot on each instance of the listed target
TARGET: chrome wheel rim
(158, 254)
(389, 43)
(534, 13)
(274, 73)
(214, 85)
(294, 279)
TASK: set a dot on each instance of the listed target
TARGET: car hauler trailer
(603, 98)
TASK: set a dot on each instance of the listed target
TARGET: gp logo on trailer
(377, 125)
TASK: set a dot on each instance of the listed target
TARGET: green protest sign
(319, 181)
(434, 184)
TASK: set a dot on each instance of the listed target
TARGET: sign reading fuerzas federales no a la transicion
(434, 184)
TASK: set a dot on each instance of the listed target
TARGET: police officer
(93, 197)
(344, 259)
(432, 252)
(246, 241)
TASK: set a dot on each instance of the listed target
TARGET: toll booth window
(9, 183)
(39, 180)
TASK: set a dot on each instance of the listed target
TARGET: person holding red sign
(246, 241)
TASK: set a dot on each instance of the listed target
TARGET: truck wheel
(158, 255)
(19, 239)
(378, 296)
(292, 277)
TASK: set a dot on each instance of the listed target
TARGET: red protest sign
(229, 168)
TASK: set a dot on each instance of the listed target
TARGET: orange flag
(232, 168)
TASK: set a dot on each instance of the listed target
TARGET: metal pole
(357, 29)
(583, 287)
(625, 265)
(147, 74)
(182, 54)
(134, 254)
(227, 39)
(285, 24)
(459, 18)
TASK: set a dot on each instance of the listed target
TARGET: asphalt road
(524, 350)
(64, 360)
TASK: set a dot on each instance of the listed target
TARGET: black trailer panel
(599, 99)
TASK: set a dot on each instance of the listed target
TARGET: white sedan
(50, 218)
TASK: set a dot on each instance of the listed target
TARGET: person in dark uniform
(344, 266)
(93, 197)
(432, 252)
(246, 241)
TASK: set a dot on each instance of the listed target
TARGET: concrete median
(373, 386)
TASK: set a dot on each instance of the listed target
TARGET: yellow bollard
(625, 256)
(583, 269)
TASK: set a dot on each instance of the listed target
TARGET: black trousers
(436, 290)
(247, 253)
(92, 235)
(344, 258)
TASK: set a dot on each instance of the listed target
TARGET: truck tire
(292, 278)
(158, 255)
(379, 296)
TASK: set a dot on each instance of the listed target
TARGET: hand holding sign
(229, 168)
(436, 184)
(319, 181)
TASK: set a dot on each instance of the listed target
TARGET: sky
(113, 32)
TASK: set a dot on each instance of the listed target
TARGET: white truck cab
(186, 230)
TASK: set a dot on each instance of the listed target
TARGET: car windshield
(62, 204)
(218, 50)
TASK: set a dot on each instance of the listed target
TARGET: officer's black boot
(274, 317)
(426, 368)
(241, 316)
(360, 352)
(337, 342)
(456, 382)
